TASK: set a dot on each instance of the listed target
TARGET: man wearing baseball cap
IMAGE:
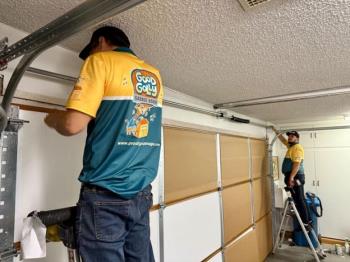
(118, 97)
(293, 170)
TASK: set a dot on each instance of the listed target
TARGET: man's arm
(67, 123)
(297, 157)
(280, 137)
(294, 172)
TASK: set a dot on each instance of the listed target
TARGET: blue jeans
(298, 196)
(112, 229)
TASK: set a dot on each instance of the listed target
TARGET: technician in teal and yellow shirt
(293, 170)
(118, 97)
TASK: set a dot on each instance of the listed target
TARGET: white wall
(47, 171)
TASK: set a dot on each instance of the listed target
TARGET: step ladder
(318, 253)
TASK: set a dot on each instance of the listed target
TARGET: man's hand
(280, 136)
(294, 172)
(291, 182)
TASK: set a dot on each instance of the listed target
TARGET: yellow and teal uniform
(124, 96)
(295, 153)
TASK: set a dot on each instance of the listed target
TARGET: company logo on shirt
(146, 92)
(76, 93)
(146, 87)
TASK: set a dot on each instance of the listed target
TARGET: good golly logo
(146, 86)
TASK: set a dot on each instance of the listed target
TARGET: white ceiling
(215, 51)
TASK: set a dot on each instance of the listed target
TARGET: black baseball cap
(112, 34)
(293, 133)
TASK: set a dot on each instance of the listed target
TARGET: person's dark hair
(113, 36)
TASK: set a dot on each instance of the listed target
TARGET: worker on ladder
(119, 98)
(294, 176)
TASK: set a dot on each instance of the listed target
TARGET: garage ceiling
(216, 51)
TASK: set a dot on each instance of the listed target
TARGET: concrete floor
(301, 254)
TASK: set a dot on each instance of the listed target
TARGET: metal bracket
(15, 124)
(8, 254)
(8, 169)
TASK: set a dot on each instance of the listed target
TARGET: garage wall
(50, 164)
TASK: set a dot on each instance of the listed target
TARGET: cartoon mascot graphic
(146, 91)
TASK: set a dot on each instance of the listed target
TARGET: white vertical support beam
(161, 233)
(161, 170)
(273, 207)
(220, 188)
(161, 200)
(218, 160)
(252, 204)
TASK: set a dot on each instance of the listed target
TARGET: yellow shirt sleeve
(89, 90)
(297, 154)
